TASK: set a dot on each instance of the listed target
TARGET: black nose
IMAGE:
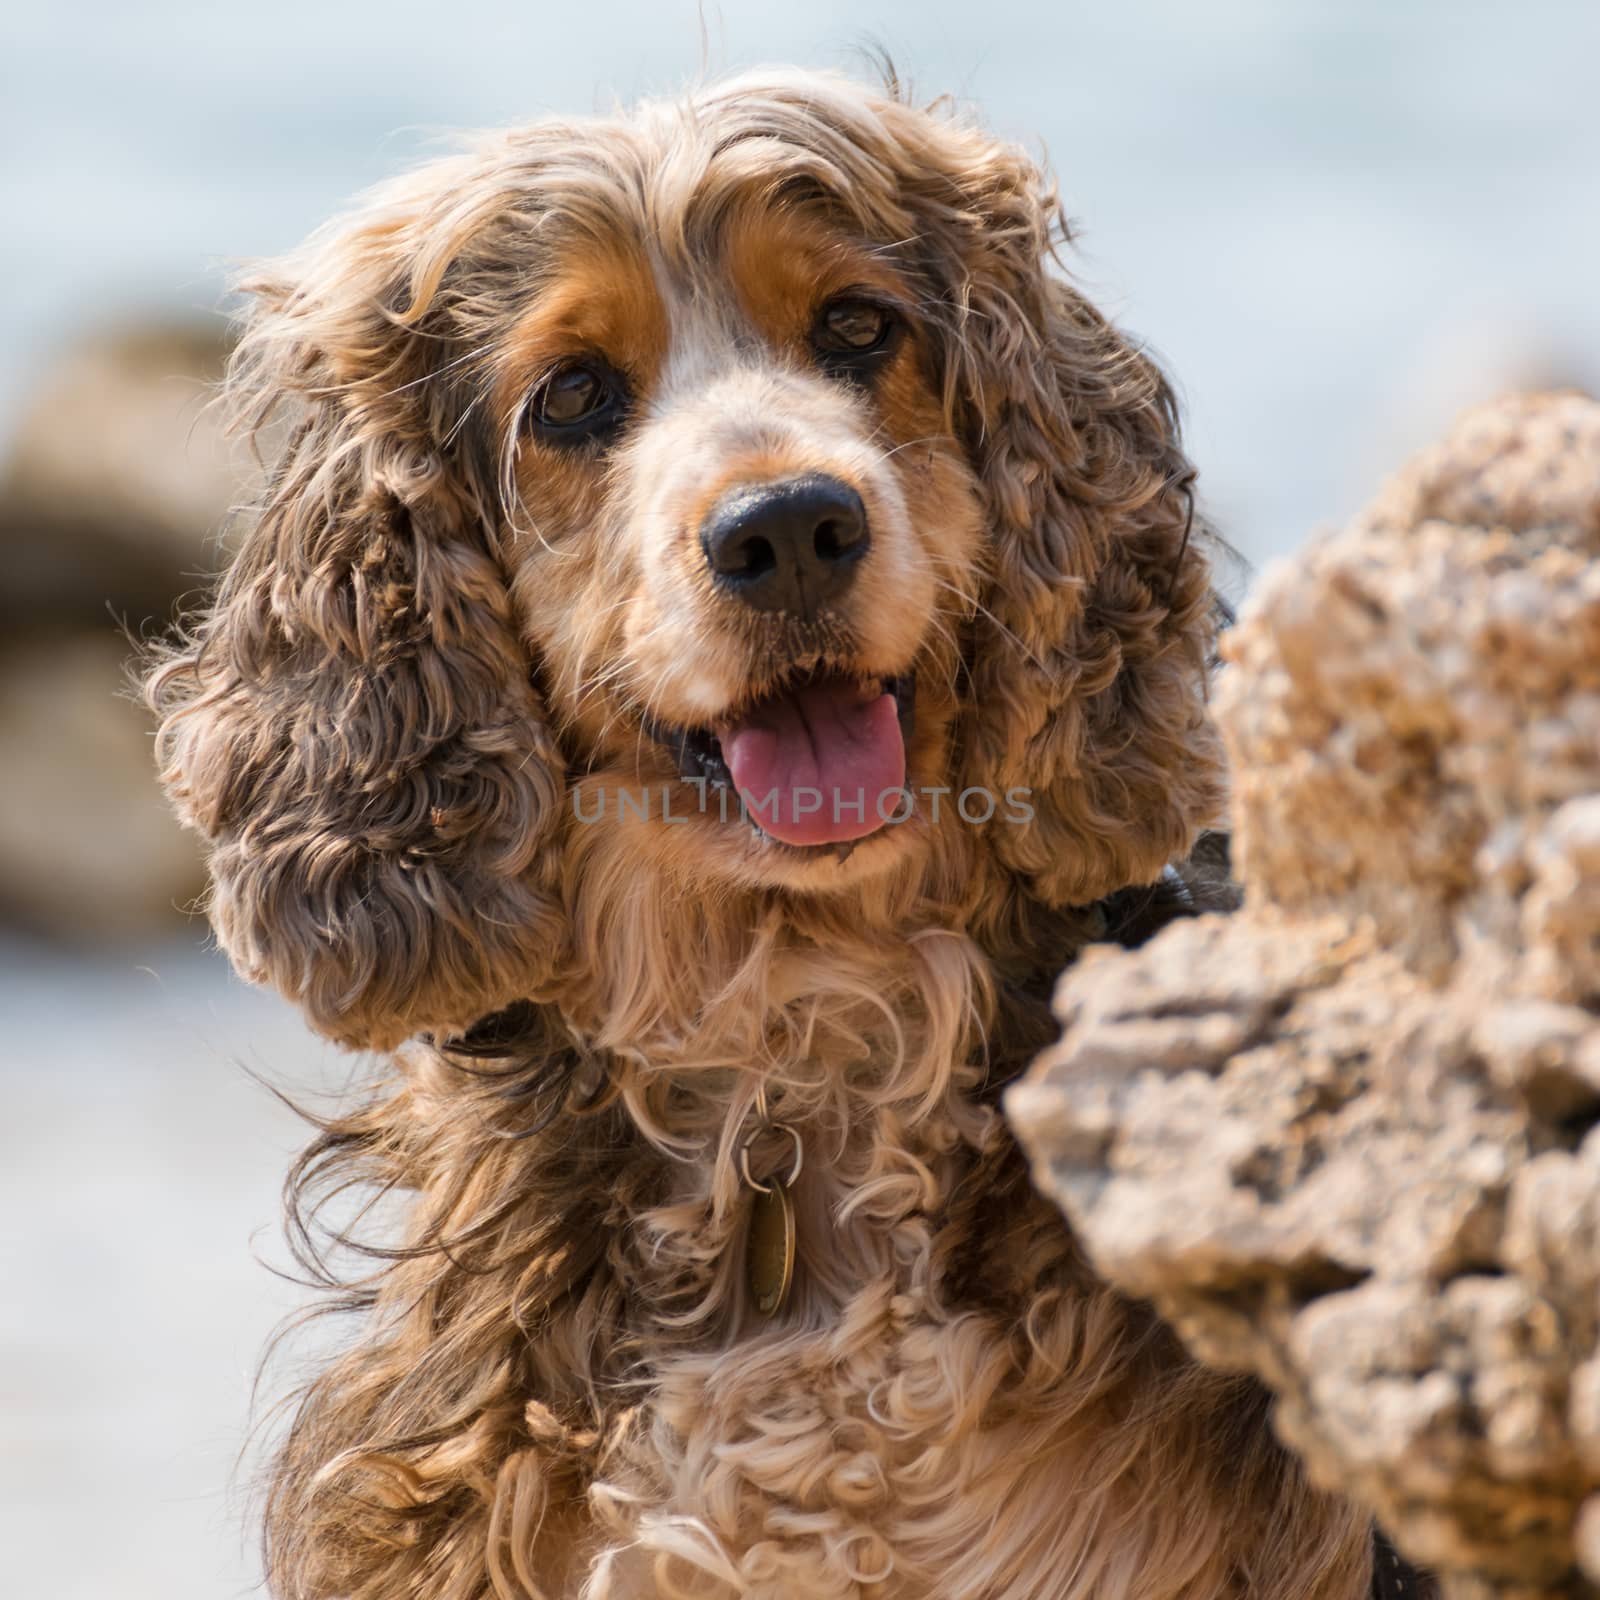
(790, 546)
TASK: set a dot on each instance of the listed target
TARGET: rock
(88, 850)
(116, 489)
(118, 480)
(1349, 1139)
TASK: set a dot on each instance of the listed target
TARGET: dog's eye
(853, 328)
(577, 395)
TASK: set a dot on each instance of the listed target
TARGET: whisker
(437, 372)
(944, 583)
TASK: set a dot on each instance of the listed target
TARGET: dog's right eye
(579, 397)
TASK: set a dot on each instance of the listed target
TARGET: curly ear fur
(1095, 627)
(353, 724)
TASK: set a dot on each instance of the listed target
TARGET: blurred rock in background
(114, 495)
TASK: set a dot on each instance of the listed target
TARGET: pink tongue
(811, 766)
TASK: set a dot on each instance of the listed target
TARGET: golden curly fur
(445, 636)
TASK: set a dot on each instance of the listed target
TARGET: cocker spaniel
(724, 627)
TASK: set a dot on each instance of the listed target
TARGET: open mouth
(821, 760)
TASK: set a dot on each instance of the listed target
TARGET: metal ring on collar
(754, 1134)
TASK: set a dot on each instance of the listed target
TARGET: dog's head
(713, 474)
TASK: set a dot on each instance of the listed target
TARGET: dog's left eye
(578, 396)
(854, 336)
(852, 328)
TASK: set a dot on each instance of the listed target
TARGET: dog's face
(694, 482)
(744, 541)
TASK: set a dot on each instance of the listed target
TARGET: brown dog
(661, 496)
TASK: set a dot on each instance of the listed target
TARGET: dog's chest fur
(949, 1403)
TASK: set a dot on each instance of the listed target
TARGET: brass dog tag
(769, 1249)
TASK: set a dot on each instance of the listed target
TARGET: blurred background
(1337, 221)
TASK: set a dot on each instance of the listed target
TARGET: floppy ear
(1094, 637)
(353, 725)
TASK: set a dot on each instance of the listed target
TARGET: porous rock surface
(1349, 1138)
